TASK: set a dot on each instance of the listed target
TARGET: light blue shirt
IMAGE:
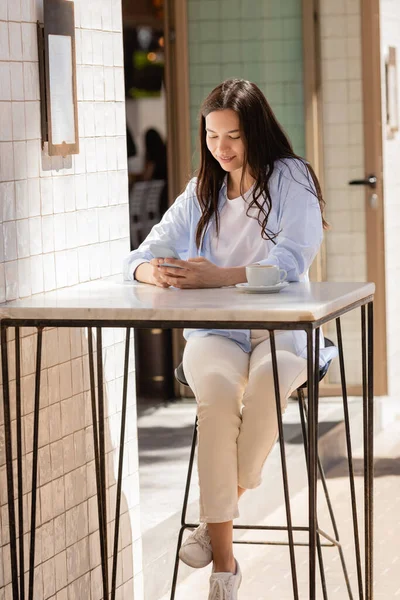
(295, 215)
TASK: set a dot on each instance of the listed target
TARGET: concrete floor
(165, 435)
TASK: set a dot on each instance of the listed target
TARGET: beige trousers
(237, 423)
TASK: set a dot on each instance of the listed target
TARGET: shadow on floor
(158, 438)
(383, 467)
(153, 439)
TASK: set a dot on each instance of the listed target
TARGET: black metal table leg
(18, 570)
(369, 458)
(120, 465)
(98, 418)
(350, 459)
(19, 464)
(9, 463)
(102, 525)
(367, 329)
(312, 390)
(284, 468)
(364, 358)
(102, 451)
(311, 444)
(35, 464)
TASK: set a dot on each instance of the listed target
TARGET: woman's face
(224, 139)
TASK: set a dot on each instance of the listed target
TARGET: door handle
(370, 180)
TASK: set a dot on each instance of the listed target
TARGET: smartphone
(162, 251)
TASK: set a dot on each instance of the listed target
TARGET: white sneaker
(224, 586)
(196, 551)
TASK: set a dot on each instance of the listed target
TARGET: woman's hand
(156, 275)
(195, 273)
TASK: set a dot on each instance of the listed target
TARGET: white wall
(390, 36)
(65, 221)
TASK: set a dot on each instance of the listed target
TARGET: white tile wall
(343, 156)
(65, 221)
(390, 36)
(101, 111)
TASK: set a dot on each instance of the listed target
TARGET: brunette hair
(265, 142)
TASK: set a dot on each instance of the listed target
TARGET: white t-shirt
(239, 242)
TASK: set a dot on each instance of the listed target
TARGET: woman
(156, 156)
(156, 164)
(253, 201)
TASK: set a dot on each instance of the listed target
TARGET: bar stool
(331, 541)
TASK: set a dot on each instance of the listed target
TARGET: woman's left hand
(195, 273)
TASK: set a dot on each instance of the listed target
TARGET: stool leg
(302, 409)
(184, 509)
(303, 417)
(176, 565)
(284, 469)
(335, 528)
(350, 458)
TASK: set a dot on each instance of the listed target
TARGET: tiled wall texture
(343, 160)
(65, 221)
(390, 36)
(259, 41)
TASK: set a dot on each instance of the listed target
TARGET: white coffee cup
(259, 275)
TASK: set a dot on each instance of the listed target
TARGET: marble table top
(115, 300)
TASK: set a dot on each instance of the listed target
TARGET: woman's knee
(218, 397)
(260, 394)
(292, 371)
(216, 370)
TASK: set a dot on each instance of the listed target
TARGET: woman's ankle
(225, 566)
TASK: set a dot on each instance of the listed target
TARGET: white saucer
(261, 289)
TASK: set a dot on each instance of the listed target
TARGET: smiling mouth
(226, 159)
